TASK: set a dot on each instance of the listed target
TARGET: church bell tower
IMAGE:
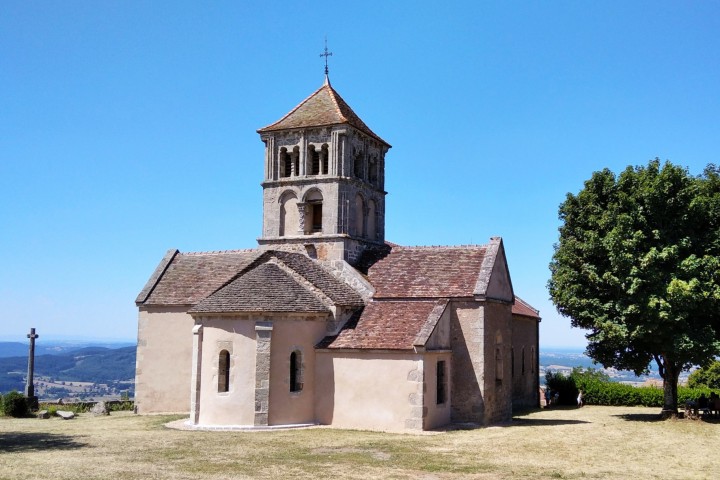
(323, 191)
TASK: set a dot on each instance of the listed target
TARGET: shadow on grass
(522, 419)
(13, 442)
(542, 422)
(657, 417)
(640, 417)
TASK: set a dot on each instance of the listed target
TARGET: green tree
(638, 265)
(708, 376)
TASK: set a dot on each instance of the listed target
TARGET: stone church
(326, 322)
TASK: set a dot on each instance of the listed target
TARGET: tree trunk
(670, 388)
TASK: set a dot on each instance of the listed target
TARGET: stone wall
(481, 371)
(498, 368)
(526, 382)
(467, 378)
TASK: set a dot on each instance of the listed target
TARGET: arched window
(373, 170)
(314, 160)
(358, 167)
(313, 212)
(289, 216)
(296, 383)
(285, 163)
(296, 161)
(359, 215)
(324, 159)
(224, 371)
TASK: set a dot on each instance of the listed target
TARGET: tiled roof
(187, 278)
(522, 308)
(324, 107)
(338, 291)
(428, 272)
(385, 325)
(265, 288)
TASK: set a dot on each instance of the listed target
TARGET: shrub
(563, 385)
(52, 409)
(708, 376)
(599, 390)
(121, 405)
(14, 404)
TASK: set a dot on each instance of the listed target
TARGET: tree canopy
(708, 376)
(638, 265)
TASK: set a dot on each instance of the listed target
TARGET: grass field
(592, 442)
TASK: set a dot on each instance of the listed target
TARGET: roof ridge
(444, 247)
(219, 252)
(334, 99)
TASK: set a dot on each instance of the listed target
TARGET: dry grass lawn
(592, 442)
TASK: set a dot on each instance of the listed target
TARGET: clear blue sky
(128, 128)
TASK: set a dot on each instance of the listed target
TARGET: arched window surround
(289, 223)
(313, 221)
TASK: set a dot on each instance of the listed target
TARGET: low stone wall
(82, 406)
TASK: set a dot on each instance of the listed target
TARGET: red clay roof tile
(385, 325)
(323, 108)
(427, 272)
(522, 308)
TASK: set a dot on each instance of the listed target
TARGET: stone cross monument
(29, 385)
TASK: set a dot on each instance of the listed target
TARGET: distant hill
(564, 360)
(90, 364)
(20, 349)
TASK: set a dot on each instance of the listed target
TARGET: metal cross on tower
(326, 54)
(29, 384)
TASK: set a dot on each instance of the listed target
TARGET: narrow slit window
(441, 396)
(532, 360)
(498, 358)
(296, 371)
(224, 372)
(296, 161)
(512, 362)
(324, 159)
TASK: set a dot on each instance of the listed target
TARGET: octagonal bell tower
(323, 191)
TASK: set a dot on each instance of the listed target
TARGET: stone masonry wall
(526, 382)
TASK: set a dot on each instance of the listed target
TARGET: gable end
(156, 276)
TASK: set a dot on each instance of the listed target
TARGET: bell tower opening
(314, 212)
